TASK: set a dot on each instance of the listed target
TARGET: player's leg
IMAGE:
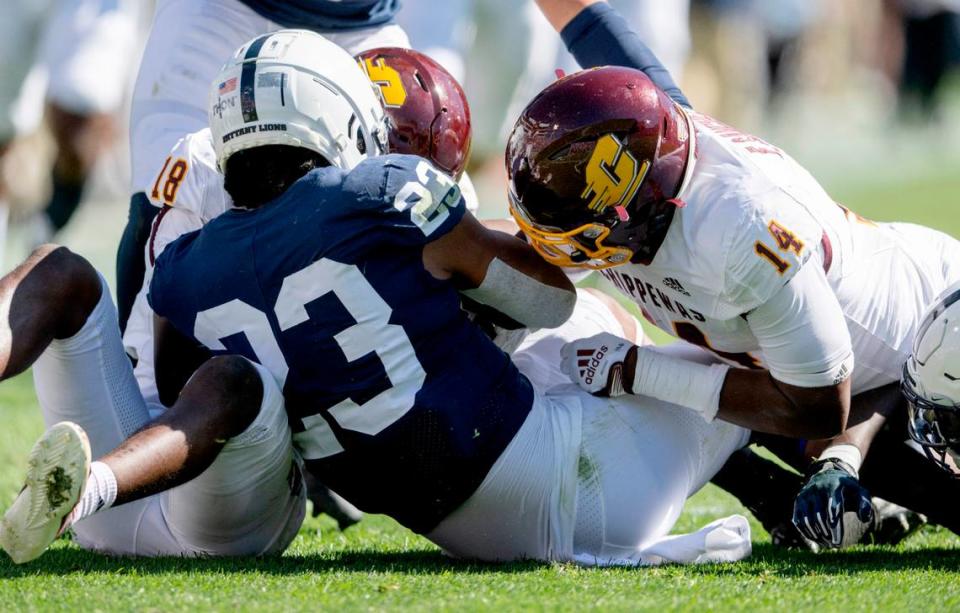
(19, 30)
(251, 499)
(239, 488)
(768, 490)
(525, 507)
(87, 379)
(84, 40)
(80, 138)
(131, 265)
(899, 473)
(589, 479)
(639, 462)
(59, 317)
(48, 297)
(639, 459)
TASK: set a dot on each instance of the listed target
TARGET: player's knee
(62, 281)
(234, 391)
(71, 271)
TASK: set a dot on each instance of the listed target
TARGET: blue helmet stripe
(248, 96)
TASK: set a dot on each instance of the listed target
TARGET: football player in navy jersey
(337, 283)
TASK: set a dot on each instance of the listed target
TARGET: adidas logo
(841, 375)
(588, 360)
(675, 285)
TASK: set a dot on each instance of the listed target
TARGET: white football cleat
(56, 474)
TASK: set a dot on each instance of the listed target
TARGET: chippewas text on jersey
(645, 293)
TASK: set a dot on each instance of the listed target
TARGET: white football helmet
(294, 87)
(931, 381)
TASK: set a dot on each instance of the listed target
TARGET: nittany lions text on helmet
(294, 87)
(427, 111)
(931, 382)
(594, 164)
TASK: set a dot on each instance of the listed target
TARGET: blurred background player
(68, 62)
(931, 41)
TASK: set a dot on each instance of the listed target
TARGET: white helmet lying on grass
(931, 382)
(296, 88)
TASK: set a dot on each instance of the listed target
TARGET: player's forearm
(755, 400)
(868, 413)
(600, 36)
(749, 398)
(502, 272)
(516, 292)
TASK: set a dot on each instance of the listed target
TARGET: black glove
(833, 509)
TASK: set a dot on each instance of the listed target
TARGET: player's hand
(833, 509)
(596, 363)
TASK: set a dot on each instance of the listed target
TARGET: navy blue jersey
(326, 15)
(399, 402)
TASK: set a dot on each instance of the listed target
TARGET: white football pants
(589, 479)
(249, 501)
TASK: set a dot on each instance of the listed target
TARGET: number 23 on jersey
(373, 333)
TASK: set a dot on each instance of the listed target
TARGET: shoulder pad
(409, 186)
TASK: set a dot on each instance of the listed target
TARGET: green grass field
(378, 565)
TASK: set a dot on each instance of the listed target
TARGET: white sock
(99, 493)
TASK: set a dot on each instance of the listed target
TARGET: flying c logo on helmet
(613, 175)
(387, 79)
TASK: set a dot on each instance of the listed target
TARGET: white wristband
(688, 384)
(845, 452)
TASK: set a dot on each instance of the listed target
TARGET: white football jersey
(189, 179)
(752, 219)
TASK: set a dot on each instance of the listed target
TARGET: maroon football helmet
(595, 163)
(427, 111)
